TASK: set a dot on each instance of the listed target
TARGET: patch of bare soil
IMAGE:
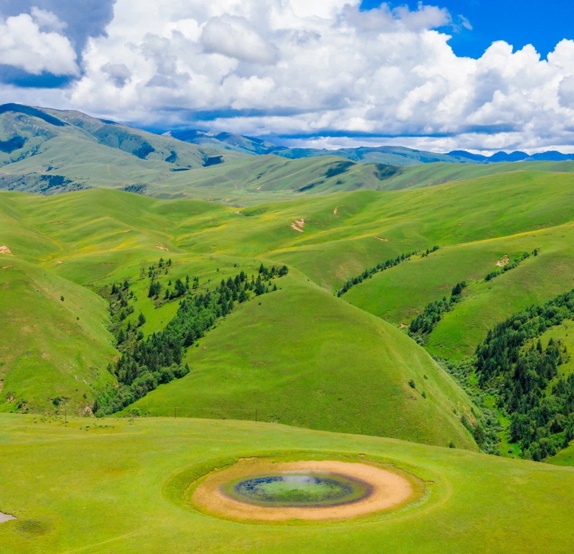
(298, 225)
(5, 250)
(382, 239)
(505, 260)
(335, 211)
(5, 517)
(160, 247)
(389, 490)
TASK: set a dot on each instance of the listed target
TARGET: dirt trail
(5, 517)
(389, 490)
(298, 225)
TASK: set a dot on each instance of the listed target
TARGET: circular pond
(268, 490)
(297, 489)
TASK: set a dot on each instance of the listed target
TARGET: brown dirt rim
(391, 490)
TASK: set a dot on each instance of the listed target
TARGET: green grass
(54, 341)
(117, 486)
(564, 457)
(426, 175)
(90, 153)
(302, 357)
(298, 356)
(399, 294)
(292, 357)
(302, 374)
(564, 333)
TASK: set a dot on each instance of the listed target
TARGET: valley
(317, 360)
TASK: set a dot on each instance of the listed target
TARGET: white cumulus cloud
(33, 42)
(295, 67)
(235, 38)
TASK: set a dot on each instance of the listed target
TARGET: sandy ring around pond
(389, 490)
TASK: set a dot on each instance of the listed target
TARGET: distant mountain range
(45, 151)
(517, 156)
(390, 155)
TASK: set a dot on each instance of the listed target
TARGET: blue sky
(519, 22)
(482, 75)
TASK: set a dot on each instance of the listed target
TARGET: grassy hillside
(51, 151)
(397, 295)
(419, 176)
(117, 486)
(55, 346)
(564, 458)
(292, 338)
(255, 180)
(302, 357)
(284, 361)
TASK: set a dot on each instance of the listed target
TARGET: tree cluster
(429, 251)
(368, 273)
(483, 424)
(524, 378)
(515, 263)
(422, 326)
(145, 364)
(120, 308)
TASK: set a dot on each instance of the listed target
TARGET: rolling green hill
(273, 358)
(55, 345)
(95, 237)
(299, 356)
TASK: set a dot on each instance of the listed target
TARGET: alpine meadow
(179, 308)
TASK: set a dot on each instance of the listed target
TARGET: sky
(480, 75)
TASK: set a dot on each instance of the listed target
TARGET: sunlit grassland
(302, 357)
(117, 485)
(399, 294)
(93, 238)
(55, 344)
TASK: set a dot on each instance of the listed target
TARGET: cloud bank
(33, 42)
(301, 69)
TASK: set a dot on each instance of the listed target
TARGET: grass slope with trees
(81, 287)
(97, 237)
